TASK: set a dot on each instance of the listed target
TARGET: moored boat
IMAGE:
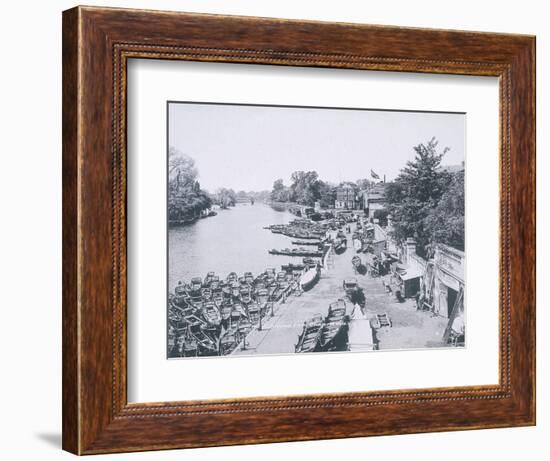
(254, 312)
(310, 278)
(310, 262)
(190, 345)
(307, 243)
(334, 330)
(297, 252)
(208, 279)
(195, 286)
(308, 340)
(211, 314)
(340, 245)
(293, 267)
(206, 345)
(229, 340)
(231, 277)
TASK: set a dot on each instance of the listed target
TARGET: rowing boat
(334, 327)
(309, 278)
(297, 252)
(309, 338)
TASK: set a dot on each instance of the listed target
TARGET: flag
(374, 175)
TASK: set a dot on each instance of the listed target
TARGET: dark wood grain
(97, 44)
(70, 390)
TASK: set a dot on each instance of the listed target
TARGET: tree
(364, 183)
(280, 192)
(305, 187)
(415, 193)
(186, 199)
(225, 197)
(327, 193)
(445, 222)
(382, 216)
(181, 168)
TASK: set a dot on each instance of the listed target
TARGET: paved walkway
(410, 329)
(280, 333)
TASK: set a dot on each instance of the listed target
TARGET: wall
(30, 247)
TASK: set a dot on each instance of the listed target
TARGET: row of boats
(323, 334)
(212, 316)
(306, 249)
(301, 252)
(330, 333)
(305, 229)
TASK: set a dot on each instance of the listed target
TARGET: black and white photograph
(275, 230)
(313, 229)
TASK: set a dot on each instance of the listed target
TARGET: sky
(249, 147)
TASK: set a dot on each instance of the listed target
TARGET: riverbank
(409, 329)
(265, 311)
(233, 241)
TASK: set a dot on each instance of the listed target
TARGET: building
(440, 280)
(448, 280)
(374, 199)
(347, 197)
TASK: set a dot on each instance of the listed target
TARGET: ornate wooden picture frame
(97, 44)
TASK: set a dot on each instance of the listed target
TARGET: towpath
(280, 333)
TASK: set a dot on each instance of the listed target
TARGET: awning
(409, 273)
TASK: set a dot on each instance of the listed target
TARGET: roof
(408, 273)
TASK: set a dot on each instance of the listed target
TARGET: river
(232, 241)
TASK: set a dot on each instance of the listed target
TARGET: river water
(232, 241)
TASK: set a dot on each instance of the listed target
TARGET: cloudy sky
(249, 147)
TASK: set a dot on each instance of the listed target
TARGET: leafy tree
(382, 216)
(280, 192)
(305, 187)
(242, 196)
(327, 193)
(415, 193)
(181, 168)
(225, 197)
(277, 191)
(186, 199)
(364, 183)
(445, 222)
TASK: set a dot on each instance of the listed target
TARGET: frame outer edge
(70, 273)
(525, 165)
(90, 422)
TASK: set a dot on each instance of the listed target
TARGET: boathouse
(439, 281)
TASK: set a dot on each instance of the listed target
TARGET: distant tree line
(426, 201)
(228, 197)
(186, 199)
(306, 188)
(225, 197)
